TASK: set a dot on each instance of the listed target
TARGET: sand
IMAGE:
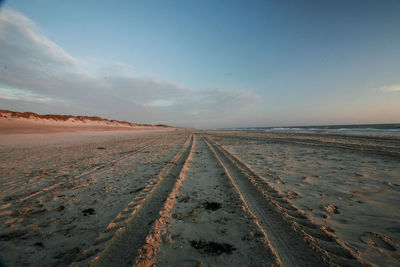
(57, 196)
(182, 198)
(348, 184)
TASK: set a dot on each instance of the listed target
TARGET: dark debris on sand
(212, 248)
(88, 211)
(212, 206)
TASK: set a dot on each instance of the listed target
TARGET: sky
(205, 64)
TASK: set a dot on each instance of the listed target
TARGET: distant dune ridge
(29, 122)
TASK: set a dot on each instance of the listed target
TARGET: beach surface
(177, 197)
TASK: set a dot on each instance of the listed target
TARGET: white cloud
(391, 88)
(39, 71)
(160, 103)
(15, 94)
(15, 28)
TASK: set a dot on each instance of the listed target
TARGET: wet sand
(181, 198)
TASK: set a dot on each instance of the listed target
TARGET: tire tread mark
(83, 174)
(245, 205)
(119, 243)
(148, 253)
(300, 247)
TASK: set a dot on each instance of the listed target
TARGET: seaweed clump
(212, 248)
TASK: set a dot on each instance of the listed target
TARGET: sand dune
(181, 198)
(12, 122)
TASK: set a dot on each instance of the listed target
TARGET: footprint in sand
(379, 241)
(330, 208)
(293, 195)
(393, 185)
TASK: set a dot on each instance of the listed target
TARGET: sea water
(364, 129)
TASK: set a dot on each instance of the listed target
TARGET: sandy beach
(346, 185)
(199, 133)
(177, 197)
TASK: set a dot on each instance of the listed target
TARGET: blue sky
(204, 63)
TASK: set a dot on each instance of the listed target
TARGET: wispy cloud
(391, 88)
(15, 94)
(36, 70)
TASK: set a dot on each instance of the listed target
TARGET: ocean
(363, 129)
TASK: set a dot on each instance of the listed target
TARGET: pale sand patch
(76, 135)
(11, 126)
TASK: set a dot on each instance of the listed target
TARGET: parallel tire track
(64, 181)
(121, 241)
(293, 237)
(125, 154)
(148, 253)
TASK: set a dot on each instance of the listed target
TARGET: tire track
(201, 173)
(72, 164)
(121, 241)
(147, 254)
(295, 239)
(66, 181)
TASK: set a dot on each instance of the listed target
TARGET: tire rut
(205, 209)
(147, 254)
(64, 181)
(295, 239)
(120, 243)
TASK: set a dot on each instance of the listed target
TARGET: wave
(374, 129)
